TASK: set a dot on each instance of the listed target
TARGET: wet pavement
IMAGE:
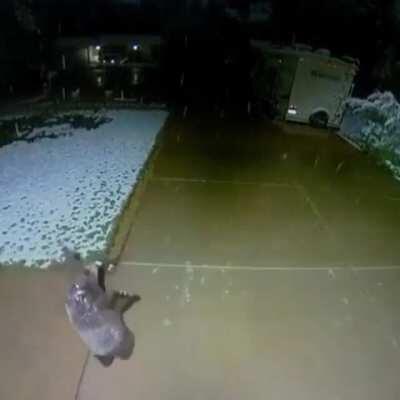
(257, 196)
(267, 260)
(41, 357)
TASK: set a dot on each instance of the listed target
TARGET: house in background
(125, 66)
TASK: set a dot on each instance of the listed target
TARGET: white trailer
(311, 87)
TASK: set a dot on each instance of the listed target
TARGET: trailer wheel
(319, 119)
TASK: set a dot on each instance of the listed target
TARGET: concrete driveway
(267, 260)
(41, 357)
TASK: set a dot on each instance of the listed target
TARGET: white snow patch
(189, 270)
(188, 296)
(68, 191)
(167, 322)
(111, 267)
(190, 273)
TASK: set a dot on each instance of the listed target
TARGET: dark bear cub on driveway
(97, 318)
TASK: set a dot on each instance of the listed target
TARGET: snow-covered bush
(374, 124)
(48, 125)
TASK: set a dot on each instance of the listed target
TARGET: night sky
(343, 24)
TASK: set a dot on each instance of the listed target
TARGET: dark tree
(25, 15)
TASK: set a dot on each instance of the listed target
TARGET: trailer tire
(319, 119)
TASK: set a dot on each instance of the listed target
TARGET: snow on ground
(66, 192)
(374, 124)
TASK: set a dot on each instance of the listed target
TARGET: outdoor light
(98, 48)
(292, 110)
(135, 47)
(113, 61)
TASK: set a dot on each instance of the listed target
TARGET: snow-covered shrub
(374, 124)
(35, 127)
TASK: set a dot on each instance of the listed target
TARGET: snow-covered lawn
(67, 188)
